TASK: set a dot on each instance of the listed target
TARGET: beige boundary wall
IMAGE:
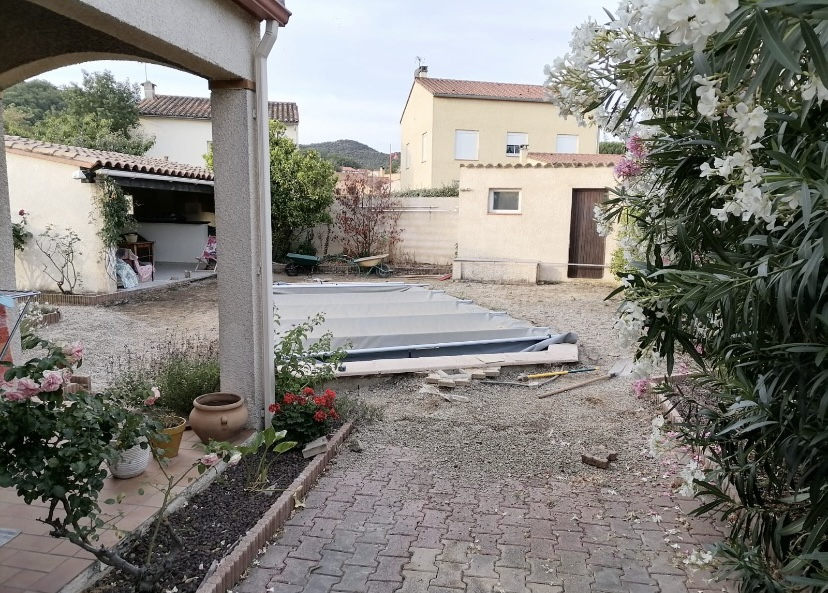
(429, 232)
(46, 190)
(530, 246)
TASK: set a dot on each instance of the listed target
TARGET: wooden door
(586, 246)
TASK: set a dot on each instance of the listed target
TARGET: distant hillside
(350, 153)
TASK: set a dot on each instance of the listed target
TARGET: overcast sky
(349, 65)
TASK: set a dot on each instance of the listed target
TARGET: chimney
(149, 90)
(524, 154)
(421, 72)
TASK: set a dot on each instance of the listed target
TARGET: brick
(373, 487)
(398, 545)
(422, 560)
(482, 565)
(512, 580)
(343, 541)
(354, 579)
(355, 521)
(513, 535)
(669, 583)
(639, 588)
(608, 580)
(343, 493)
(636, 573)
(310, 548)
(455, 551)
(450, 575)
(488, 524)
(382, 587)
(464, 512)
(595, 460)
(484, 544)
(365, 555)
(405, 526)
(295, 572)
(480, 585)
(334, 510)
(570, 540)
(576, 583)
(274, 556)
(542, 548)
(512, 557)
(544, 588)
(322, 528)
(429, 537)
(415, 581)
(374, 534)
(320, 583)
(459, 530)
(514, 516)
(331, 563)
(434, 518)
(388, 569)
(573, 562)
(542, 571)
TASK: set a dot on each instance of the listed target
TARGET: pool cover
(398, 320)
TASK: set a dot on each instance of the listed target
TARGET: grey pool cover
(398, 320)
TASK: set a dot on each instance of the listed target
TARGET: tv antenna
(420, 61)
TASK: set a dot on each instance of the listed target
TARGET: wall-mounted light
(84, 175)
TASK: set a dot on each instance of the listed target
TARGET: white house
(183, 129)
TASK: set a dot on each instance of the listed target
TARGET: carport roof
(87, 158)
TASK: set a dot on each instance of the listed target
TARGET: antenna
(420, 61)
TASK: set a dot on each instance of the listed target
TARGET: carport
(220, 41)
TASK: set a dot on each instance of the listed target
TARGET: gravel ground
(502, 429)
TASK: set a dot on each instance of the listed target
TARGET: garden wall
(429, 232)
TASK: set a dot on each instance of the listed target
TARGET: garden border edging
(232, 566)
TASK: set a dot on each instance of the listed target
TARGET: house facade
(532, 221)
(183, 128)
(449, 123)
(173, 203)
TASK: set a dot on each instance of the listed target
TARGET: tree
(724, 193)
(90, 131)
(301, 189)
(17, 121)
(104, 97)
(36, 98)
(367, 216)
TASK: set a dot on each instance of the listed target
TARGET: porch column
(243, 343)
(8, 279)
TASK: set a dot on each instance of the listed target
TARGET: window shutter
(567, 143)
(465, 145)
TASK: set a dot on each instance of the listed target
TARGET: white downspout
(263, 157)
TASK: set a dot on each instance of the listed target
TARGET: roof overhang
(266, 10)
(157, 182)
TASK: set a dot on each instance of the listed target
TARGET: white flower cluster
(659, 443)
(699, 559)
(689, 473)
(602, 224)
(647, 363)
(814, 88)
(687, 22)
(630, 323)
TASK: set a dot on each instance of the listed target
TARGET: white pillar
(243, 340)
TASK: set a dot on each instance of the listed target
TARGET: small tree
(367, 218)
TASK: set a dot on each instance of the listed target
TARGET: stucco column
(8, 280)
(242, 339)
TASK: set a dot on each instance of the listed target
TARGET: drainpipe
(263, 157)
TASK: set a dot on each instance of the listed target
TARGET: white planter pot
(131, 463)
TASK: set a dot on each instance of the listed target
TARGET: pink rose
(14, 396)
(210, 459)
(27, 387)
(22, 212)
(150, 401)
(51, 381)
(74, 352)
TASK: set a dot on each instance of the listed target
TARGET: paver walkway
(381, 522)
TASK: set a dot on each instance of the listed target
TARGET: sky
(349, 65)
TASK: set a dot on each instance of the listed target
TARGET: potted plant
(160, 428)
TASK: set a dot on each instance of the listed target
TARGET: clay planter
(131, 463)
(218, 416)
(175, 433)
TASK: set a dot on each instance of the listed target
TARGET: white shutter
(424, 148)
(465, 145)
(567, 143)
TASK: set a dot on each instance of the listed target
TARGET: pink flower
(51, 381)
(641, 386)
(627, 168)
(636, 147)
(14, 396)
(74, 352)
(210, 459)
(22, 212)
(27, 387)
(234, 460)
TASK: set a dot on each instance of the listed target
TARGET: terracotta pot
(218, 416)
(175, 433)
(131, 463)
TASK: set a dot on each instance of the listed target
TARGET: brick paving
(382, 521)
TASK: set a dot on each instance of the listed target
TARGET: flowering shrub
(19, 233)
(724, 198)
(305, 417)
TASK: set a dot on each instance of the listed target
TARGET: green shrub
(353, 408)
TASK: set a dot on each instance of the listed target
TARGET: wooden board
(556, 354)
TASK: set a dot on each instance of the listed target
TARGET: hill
(350, 153)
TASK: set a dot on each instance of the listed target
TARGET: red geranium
(274, 408)
(320, 416)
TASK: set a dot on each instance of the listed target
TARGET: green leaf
(284, 446)
(770, 36)
(744, 52)
(816, 50)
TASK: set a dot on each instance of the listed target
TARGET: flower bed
(223, 526)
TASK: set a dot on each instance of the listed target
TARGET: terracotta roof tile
(88, 158)
(575, 160)
(442, 87)
(199, 108)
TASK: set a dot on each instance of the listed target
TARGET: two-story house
(446, 123)
(182, 125)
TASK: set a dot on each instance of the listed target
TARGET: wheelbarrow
(372, 263)
(302, 263)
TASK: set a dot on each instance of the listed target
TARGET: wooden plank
(556, 354)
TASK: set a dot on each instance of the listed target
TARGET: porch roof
(87, 158)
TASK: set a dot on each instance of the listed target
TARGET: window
(424, 147)
(567, 143)
(465, 145)
(504, 201)
(407, 156)
(514, 140)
